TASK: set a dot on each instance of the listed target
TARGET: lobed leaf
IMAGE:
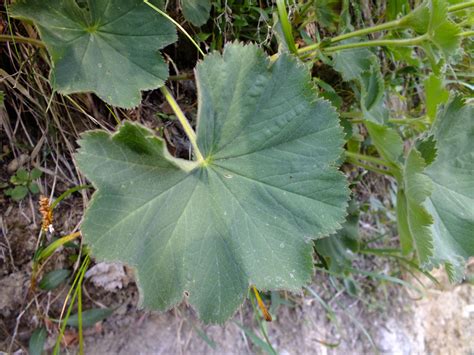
(247, 215)
(435, 203)
(432, 18)
(452, 202)
(108, 47)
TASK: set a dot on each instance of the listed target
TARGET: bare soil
(385, 318)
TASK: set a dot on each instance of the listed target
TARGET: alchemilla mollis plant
(263, 187)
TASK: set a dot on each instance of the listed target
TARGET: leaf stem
(382, 42)
(354, 158)
(466, 34)
(169, 18)
(368, 158)
(286, 26)
(461, 6)
(184, 122)
(382, 27)
(20, 39)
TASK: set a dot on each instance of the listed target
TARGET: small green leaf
(372, 87)
(37, 341)
(34, 188)
(386, 140)
(17, 193)
(327, 12)
(372, 94)
(338, 250)
(35, 174)
(196, 11)
(352, 63)
(432, 18)
(109, 47)
(435, 94)
(245, 216)
(53, 279)
(418, 19)
(22, 175)
(89, 317)
(443, 33)
(427, 148)
(404, 233)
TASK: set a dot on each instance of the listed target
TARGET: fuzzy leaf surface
(246, 217)
(352, 63)
(435, 94)
(452, 202)
(94, 48)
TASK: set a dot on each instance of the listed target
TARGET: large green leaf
(196, 11)
(452, 202)
(436, 203)
(109, 47)
(247, 215)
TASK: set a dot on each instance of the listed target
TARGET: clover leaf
(246, 215)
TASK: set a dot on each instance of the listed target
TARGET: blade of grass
(286, 26)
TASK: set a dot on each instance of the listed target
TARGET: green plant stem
(286, 26)
(67, 193)
(356, 162)
(184, 122)
(79, 317)
(77, 283)
(364, 31)
(461, 6)
(50, 249)
(466, 34)
(19, 39)
(382, 42)
(382, 27)
(407, 120)
(169, 18)
(368, 158)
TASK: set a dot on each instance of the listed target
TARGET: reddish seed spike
(262, 306)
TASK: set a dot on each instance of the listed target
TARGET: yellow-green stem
(461, 6)
(169, 18)
(184, 122)
(387, 42)
(19, 39)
